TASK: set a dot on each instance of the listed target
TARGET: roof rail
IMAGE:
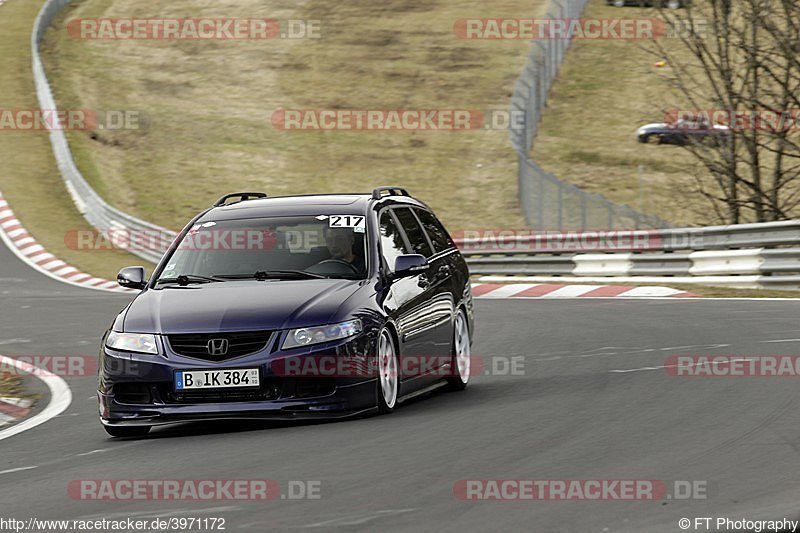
(377, 193)
(242, 196)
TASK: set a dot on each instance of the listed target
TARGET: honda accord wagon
(296, 307)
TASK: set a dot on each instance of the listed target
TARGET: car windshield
(292, 248)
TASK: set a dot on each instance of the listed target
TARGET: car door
(438, 308)
(405, 302)
(447, 270)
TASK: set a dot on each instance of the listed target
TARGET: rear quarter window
(414, 232)
(435, 230)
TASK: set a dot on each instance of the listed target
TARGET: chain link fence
(547, 202)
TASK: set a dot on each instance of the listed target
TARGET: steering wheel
(350, 268)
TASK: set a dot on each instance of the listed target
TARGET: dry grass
(209, 104)
(11, 385)
(607, 89)
(28, 175)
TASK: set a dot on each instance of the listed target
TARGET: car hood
(238, 306)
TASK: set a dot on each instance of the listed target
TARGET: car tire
(388, 372)
(127, 431)
(462, 352)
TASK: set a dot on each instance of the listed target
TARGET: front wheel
(127, 431)
(388, 373)
(462, 353)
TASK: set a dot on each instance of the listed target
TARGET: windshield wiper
(273, 274)
(186, 279)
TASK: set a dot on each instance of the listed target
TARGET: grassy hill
(29, 178)
(208, 105)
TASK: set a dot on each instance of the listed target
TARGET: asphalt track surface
(570, 415)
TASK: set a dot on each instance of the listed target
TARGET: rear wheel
(388, 373)
(127, 431)
(462, 353)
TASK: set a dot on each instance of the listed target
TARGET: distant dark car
(330, 306)
(671, 4)
(681, 132)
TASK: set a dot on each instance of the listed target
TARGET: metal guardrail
(546, 201)
(757, 255)
(95, 210)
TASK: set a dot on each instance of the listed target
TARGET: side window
(438, 235)
(419, 243)
(392, 243)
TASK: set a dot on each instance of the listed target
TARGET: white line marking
(60, 397)
(14, 341)
(625, 371)
(780, 340)
(359, 519)
(93, 452)
(155, 514)
(20, 469)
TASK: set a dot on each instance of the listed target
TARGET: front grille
(241, 343)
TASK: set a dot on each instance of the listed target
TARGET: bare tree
(740, 59)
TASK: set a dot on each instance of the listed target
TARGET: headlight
(132, 342)
(315, 335)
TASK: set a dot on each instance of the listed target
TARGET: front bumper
(138, 390)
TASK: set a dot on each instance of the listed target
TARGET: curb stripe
(25, 247)
(483, 288)
(608, 290)
(539, 290)
(489, 291)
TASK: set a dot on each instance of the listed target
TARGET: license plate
(216, 379)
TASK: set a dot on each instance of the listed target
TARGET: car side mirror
(409, 265)
(132, 278)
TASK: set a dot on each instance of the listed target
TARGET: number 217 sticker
(346, 221)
